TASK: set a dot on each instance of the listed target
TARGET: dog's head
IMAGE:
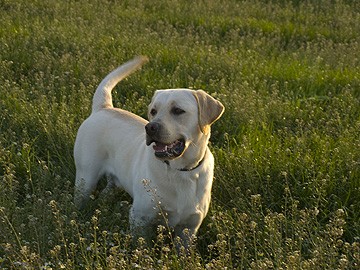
(180, 118)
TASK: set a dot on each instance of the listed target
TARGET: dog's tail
(102, 97)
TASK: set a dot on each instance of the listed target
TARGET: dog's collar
(188, 169)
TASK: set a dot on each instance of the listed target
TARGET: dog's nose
(152, 128)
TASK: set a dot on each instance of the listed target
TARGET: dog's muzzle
(163, 150)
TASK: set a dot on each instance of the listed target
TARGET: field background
(286, 193)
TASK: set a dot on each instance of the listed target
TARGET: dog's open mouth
(172, 150)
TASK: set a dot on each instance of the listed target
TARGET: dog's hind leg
(85, 183)
(109, 188)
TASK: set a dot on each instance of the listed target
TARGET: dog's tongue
(160, 147)
(171, 150)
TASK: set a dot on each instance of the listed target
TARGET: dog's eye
(177, 111)
(153, 112)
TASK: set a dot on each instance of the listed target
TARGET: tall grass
(287, 178)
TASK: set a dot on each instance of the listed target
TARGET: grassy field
(286, 193)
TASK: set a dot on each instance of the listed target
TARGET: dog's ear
(210, 110)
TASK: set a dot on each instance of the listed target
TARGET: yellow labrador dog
(164, 164)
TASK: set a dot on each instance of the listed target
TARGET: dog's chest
(182, 198)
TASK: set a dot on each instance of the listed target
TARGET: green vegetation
(286, 193)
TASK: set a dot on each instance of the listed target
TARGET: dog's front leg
(184, 237)
(187, 231)
(142, 223)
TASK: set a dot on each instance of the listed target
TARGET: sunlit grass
(286, 192)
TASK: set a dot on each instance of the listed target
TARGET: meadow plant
(286, 192)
